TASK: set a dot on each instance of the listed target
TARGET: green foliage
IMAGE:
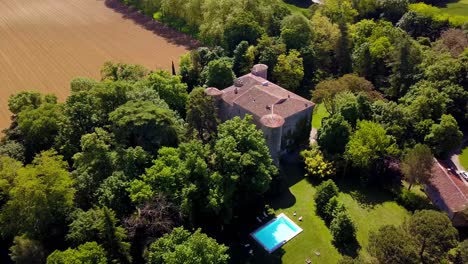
(27, 251)
(242, 61)
(241, 27)
(169, 88)
(181, 246)
(39, 127)
(332, 209)
(296, 31)
(8, 173)
(289, 70)
(100, 225)
(40, 198)
(218, 73)
(369, 144)
(122, 72)
(87, 253)
(325, 191)
(393, 245)
(339, 11)
(202, 115)
(393, 10)
(315, 164)
(444, 136)
(417, 164)
(23, 100)
(81, 84)
(243, 162)
(433, 233)
(12, 149)
(145, 124)
(343, 230)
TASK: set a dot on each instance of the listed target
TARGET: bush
(411, 201)
(315, 163)
(332, 209)
(325, 191)
(343, 230)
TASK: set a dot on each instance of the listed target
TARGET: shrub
(343, 230)
(332, 209)
(325, 191)
(315, 163)
(412, 201)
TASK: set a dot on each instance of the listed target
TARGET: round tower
(260, 70)
(272, 127)
(215, 93)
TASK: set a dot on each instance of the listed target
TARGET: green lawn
(296, 9)
(319, 113)
(368, 209)
(457, 8)
(464, 157)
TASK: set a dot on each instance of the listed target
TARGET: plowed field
(45, 43)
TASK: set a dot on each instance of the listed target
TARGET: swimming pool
(276, 232)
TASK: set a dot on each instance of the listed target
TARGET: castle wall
(296, 129)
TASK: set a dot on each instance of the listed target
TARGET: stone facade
(284, 117)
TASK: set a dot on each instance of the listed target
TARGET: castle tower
(217, 95)
(260, 70)
(272, 127)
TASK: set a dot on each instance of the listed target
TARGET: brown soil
(46, 43)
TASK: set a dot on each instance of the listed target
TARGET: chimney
(238, 83)
(236, 91)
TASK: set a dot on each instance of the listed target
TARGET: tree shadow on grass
(171, 35)
(349, 249)
(366, 195)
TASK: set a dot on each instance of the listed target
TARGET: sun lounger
(265, 214)
(246, 245)
(259, 220)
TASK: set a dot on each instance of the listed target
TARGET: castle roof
(260, 97)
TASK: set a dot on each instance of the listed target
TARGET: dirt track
(45, 43)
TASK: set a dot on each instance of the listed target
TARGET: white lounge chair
(246, 245)
(259, 220)
(265, 214)
(300, 218)
(251, 252)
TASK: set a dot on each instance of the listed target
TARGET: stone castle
(284, 117)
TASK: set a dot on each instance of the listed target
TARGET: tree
(145, 124)
(444, 136)
(8, 173)
(242, 61)
(170, 88)
(151, 220)
(369, 144)
(268, 50)
(92, 165)
(202, 115)
(87, 253)
(81, 84)
(392, 10)
(244, 167)
(417, 164)
(455, 40)
(289, 70)
(39, 200)
(100, 225)
(296, 31)
(218, 73)
(181, 246)
(392, 245)
(315, 164)
(122, 72)
(343, 49)
(343, 230)
(27, 251)
(20, 101)
(12, 149)
(325, 191)
(39, 127)
(433, 233)
(339, 11)
(241, 27)
(334, 134)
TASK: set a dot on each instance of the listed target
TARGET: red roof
(451, 188)
(256, 95)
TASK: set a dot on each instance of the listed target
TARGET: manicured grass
(457, 8)
(319, 113)
(368, 209)
(464, 157)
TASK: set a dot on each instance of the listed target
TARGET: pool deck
(282, 215)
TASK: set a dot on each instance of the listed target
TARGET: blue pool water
(276, 232)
